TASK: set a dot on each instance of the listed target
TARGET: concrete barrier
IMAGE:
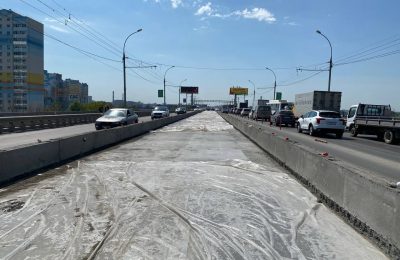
(17, 162)
(11, 124)
(366, 203)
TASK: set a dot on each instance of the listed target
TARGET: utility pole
(180, 86)
(124, 65)
(254, 92)
(330, 61)
(274, 82)
(165, 74)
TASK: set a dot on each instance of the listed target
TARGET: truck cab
(350, 116)
(374, 120)
(367, 110)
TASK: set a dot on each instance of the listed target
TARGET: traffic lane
(197, 189)
(11, 140)
(379, 159)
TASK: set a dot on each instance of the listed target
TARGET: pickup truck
(374, 120)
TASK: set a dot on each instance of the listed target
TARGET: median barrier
(20, 161)
(369, 204)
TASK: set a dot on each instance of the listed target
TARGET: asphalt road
(196, 189)
(11, 140)
(362, 152)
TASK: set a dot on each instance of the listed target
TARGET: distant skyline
(219, 44)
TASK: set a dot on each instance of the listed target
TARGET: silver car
(159, 112)
(116, 117)
(322, 121)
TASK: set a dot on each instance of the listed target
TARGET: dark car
(283, 117)
(262, 113)
(116, 117)
(245, 112)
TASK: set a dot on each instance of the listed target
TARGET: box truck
(317, 100)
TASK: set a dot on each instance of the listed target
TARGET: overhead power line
(72, 28)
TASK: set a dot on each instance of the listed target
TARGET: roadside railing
(26, 123)
(11, 124)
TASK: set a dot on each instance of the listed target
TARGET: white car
(322, 121)
(160, 112)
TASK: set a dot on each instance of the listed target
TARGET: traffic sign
(279, 95)
(160, 93)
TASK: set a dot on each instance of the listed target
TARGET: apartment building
(21, 63)
(53, 86)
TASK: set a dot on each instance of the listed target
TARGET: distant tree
(96, 106)
(76, 106)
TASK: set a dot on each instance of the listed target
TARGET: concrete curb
(372, 207)
(20, 161)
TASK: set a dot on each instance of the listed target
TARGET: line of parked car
(314, 122)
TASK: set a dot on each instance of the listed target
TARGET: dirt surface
(196, 189)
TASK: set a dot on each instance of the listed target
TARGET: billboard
(238, 91)
(190, 90)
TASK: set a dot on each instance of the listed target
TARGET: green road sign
(279, 95)
(160, 93)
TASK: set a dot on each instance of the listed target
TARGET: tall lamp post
(254, 92)
(123, 61)
(330, 61)
(165, 74)
(274, 82)
(180, 86)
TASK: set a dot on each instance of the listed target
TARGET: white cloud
(203, 27)
(58, 29)
(293, 24)
(205, 10)
(259, 14)
(55, 25)
(176, 3)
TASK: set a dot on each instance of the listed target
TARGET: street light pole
(274, 82)
(180, 86)
(165, 74)
(254, 93)
(124, 65)
(330, 61)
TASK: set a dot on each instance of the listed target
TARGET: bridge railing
(10, 124)
(25, 123)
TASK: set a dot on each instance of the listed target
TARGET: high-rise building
(21, 63)
(76, 91)
(53, 86)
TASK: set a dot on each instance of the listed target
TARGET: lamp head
(318, 31)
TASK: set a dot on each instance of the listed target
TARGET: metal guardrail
(25, 123)
(12, 124)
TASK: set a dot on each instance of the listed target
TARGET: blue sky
(242, 35)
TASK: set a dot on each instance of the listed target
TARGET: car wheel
(98, 127)
(299, 130)
(136, 121)
(389, 137)
(353, 131)
(339, 135)
(311, 130)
